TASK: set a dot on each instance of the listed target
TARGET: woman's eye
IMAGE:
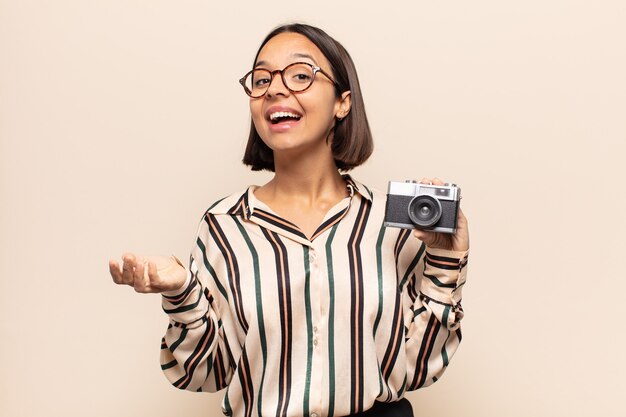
(302, 77)
(261, 82)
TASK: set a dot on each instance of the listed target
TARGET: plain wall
(121, 121)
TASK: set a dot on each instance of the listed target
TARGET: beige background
(120, 121)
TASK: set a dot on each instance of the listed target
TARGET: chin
(286, 146)
(293, 142)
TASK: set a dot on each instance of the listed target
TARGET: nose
(276, 88)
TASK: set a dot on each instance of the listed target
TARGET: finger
(140, 281)
(116, 271)
(128, 268)
(432, 181)
(463, 227)
(461, 220)
(461, 216)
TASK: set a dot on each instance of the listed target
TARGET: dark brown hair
(352, 142)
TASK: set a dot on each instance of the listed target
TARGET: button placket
(314, 275)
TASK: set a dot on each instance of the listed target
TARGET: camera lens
(424, 210)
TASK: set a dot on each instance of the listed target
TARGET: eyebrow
(295, 55)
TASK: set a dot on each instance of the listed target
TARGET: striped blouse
(325, 326)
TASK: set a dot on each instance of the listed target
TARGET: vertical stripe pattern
(293, 325)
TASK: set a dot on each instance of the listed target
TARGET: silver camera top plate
(410, 188)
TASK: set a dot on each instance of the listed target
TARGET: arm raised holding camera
(432, 299)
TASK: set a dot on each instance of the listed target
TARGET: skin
(306, 183)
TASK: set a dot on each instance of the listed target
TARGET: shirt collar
(358, 187)
(243, 203)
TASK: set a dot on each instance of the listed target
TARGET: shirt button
(315, 341)
(315, 329)
(313, 414)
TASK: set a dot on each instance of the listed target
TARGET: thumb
(424, 236)
(166, 274)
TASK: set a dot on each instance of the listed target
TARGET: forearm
(434, 332)
(441, 287)
(191, 339)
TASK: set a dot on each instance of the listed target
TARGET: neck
(306, 177)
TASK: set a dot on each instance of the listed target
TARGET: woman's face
(315, 108)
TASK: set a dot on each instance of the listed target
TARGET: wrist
(181, 284)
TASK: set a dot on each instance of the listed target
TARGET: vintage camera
(422, 206)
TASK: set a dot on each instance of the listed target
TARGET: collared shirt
(325, 326)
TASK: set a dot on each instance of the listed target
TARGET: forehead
(285, 48)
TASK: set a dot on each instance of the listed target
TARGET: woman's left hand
(458, 241)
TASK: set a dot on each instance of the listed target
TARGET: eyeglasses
(297, 77)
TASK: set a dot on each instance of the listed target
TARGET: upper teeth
(278, 114)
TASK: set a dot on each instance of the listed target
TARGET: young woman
(297, 298)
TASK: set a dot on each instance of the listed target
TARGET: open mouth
(283, 117)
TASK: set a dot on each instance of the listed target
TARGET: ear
(343, 106)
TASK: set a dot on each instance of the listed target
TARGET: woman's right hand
(148, 274)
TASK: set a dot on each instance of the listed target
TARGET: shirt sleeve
(432, 309)
(194, 351)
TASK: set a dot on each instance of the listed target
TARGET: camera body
(422, 206)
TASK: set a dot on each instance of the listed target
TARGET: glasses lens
(257, 82)
(298, 76)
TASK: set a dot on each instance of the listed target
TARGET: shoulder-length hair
(352, 142)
